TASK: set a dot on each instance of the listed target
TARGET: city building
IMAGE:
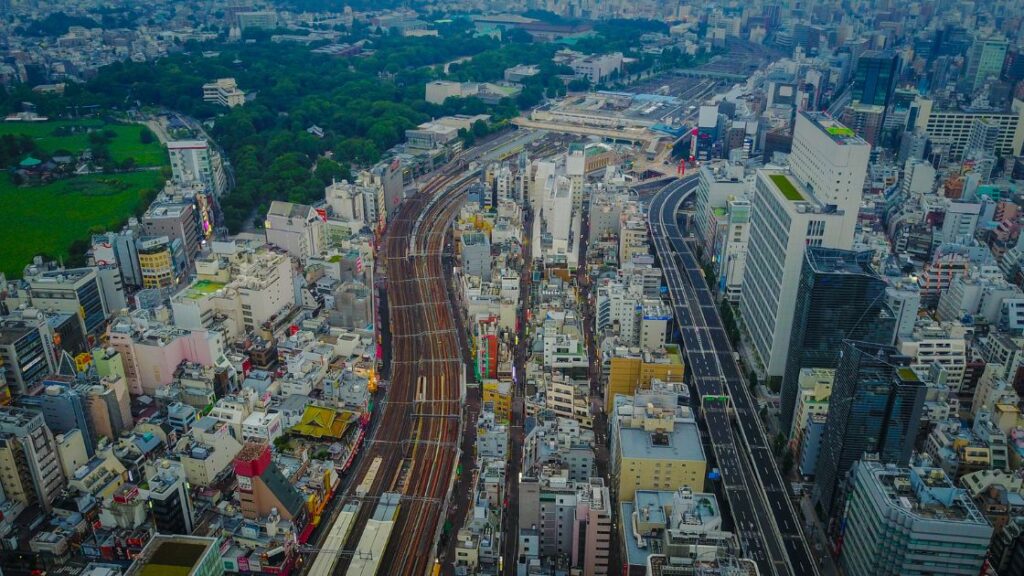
(178, 554)
(177, 221)
(169, 498)
(898, 519)
(718, 183)
(952, 126)
(296, 228)
(840, 297)
(475, 251)
(632, 370)
(26, 351)
(156, 263)
(208, 452)
(592, 528)
(815, 390)
(655, 444)
(64, 408)
(815, 204)
(30, 471)
(75, 291)
(263, 488)
(194, 162)
(875, 78)
(109, 406)
(985, 61)
(875, 408)
(730, 255)
(943, 344)
(224, 92)
(256, 20)
(247, 285)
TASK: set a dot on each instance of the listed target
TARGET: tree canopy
(363, 104)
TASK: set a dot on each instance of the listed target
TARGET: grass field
(50, 217)
(126, 144)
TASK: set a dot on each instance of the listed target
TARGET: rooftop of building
(201, 289)
(787, 187)
(681, 443)
(835, 261)
(288, 209)
(187, 144)
(926, 493)
(171, 556)
(839, 133)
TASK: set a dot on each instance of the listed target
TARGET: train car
(371, 475)
(327, 558)
(369, 552)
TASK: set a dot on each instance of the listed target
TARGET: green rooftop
(202, 288)
(841, 131)
(787, 188)
(907, 375)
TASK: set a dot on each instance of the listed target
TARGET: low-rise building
(655, 444)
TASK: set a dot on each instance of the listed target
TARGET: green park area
(74, 136)
(49, 218)
(48, 207)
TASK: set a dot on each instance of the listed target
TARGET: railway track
(417, 437)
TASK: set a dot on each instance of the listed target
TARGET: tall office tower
(840, 298)
(833, 163)
(898, 518)
(875, 77)
(29, 468)
(815, 204)
(875, 408)
(985, 60)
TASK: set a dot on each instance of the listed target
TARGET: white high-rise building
(575, 168)
(832, 162)
(814, 204)
(193, 162)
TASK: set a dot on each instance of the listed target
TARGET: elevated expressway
(765, 519)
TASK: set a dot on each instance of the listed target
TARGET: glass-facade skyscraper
(875, 77)
(840, 297)
(875, 408)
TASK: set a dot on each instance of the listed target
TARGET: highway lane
(761, 507)
(706, 380)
